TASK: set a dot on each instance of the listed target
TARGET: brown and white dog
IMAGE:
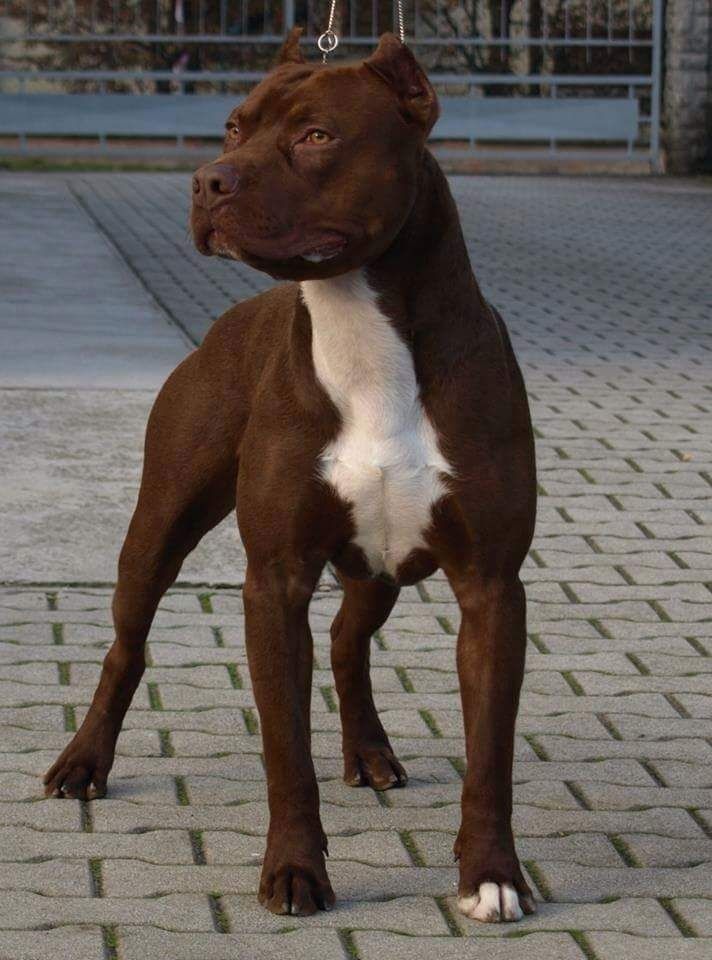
(370, 415)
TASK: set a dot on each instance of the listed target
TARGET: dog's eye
(318, 137)
(232, 130)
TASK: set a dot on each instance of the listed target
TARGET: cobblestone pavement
(606, 288)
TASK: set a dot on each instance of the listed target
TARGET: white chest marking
(385, 462)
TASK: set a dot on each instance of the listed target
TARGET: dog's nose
(215, 183)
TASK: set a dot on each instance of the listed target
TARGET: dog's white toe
(492, 903)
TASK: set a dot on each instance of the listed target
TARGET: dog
(368, 414)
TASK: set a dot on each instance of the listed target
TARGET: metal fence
(529, 49)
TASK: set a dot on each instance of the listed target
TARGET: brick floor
(605, 285)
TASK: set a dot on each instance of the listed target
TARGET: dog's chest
(385, 462)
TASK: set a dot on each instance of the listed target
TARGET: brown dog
(374, 419)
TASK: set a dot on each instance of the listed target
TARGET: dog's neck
(425, 274)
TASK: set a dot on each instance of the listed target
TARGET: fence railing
(527, 48)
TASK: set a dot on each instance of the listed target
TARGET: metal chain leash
(329, 41)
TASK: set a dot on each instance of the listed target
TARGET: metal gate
(517, 78)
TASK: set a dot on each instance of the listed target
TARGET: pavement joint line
(96, 877)
(697, 646)
(206, 603)
(576, 687)
(218, 636)
(197, 847)
(446, 625)
(638, 664)
(700, 821)
(540, 752)
(676, 705)
(234, 674)
(51, 598)
(448, 916)
(459, 766)
(684, 926)
(411, 847)
(661, 612)
(431, 724)
(538, 879)
(110, 941)
(536, 640)
(70, 717)
(166, 745)
(404, 679)
(348, 944)
(154, 696)
(58, 634)
(676, 559)
(624, 851)
(63, 668)
(86, 815)
(580, 939)
(591, 542)
(600, 629)
(578, 794)
(606, 722)
(251, 723)
(623, 573)
(569, 591)
(221, 923)
(327, 694)
(181, 791)
(652, 772)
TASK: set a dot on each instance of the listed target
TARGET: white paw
(494, 903)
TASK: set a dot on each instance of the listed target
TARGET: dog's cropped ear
(290, 51)
(394, 63)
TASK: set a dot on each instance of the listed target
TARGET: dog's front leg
(490, 661)
(279, 650)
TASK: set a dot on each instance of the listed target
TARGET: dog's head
(319, 165)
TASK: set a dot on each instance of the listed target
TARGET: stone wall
(687, 102)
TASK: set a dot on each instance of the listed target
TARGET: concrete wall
(688, 85)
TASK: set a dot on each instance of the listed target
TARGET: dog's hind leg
(368, 757)
(188, 486)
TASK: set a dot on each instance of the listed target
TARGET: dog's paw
(375, 767)
(81, 770)
(297, 891)
(294, 878)
(496, 903)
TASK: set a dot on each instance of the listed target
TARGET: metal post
(288, 15)
(655, 91)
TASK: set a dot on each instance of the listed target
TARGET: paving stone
(650, 851)
(148, 943)
(583, 884)
(172, 912)
(416, 916)
(615, 946)
(77, 942)
(156, 846)
(553, 946)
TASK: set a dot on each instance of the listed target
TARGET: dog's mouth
(316, 248)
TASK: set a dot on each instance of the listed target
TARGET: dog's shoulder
(260, 321)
